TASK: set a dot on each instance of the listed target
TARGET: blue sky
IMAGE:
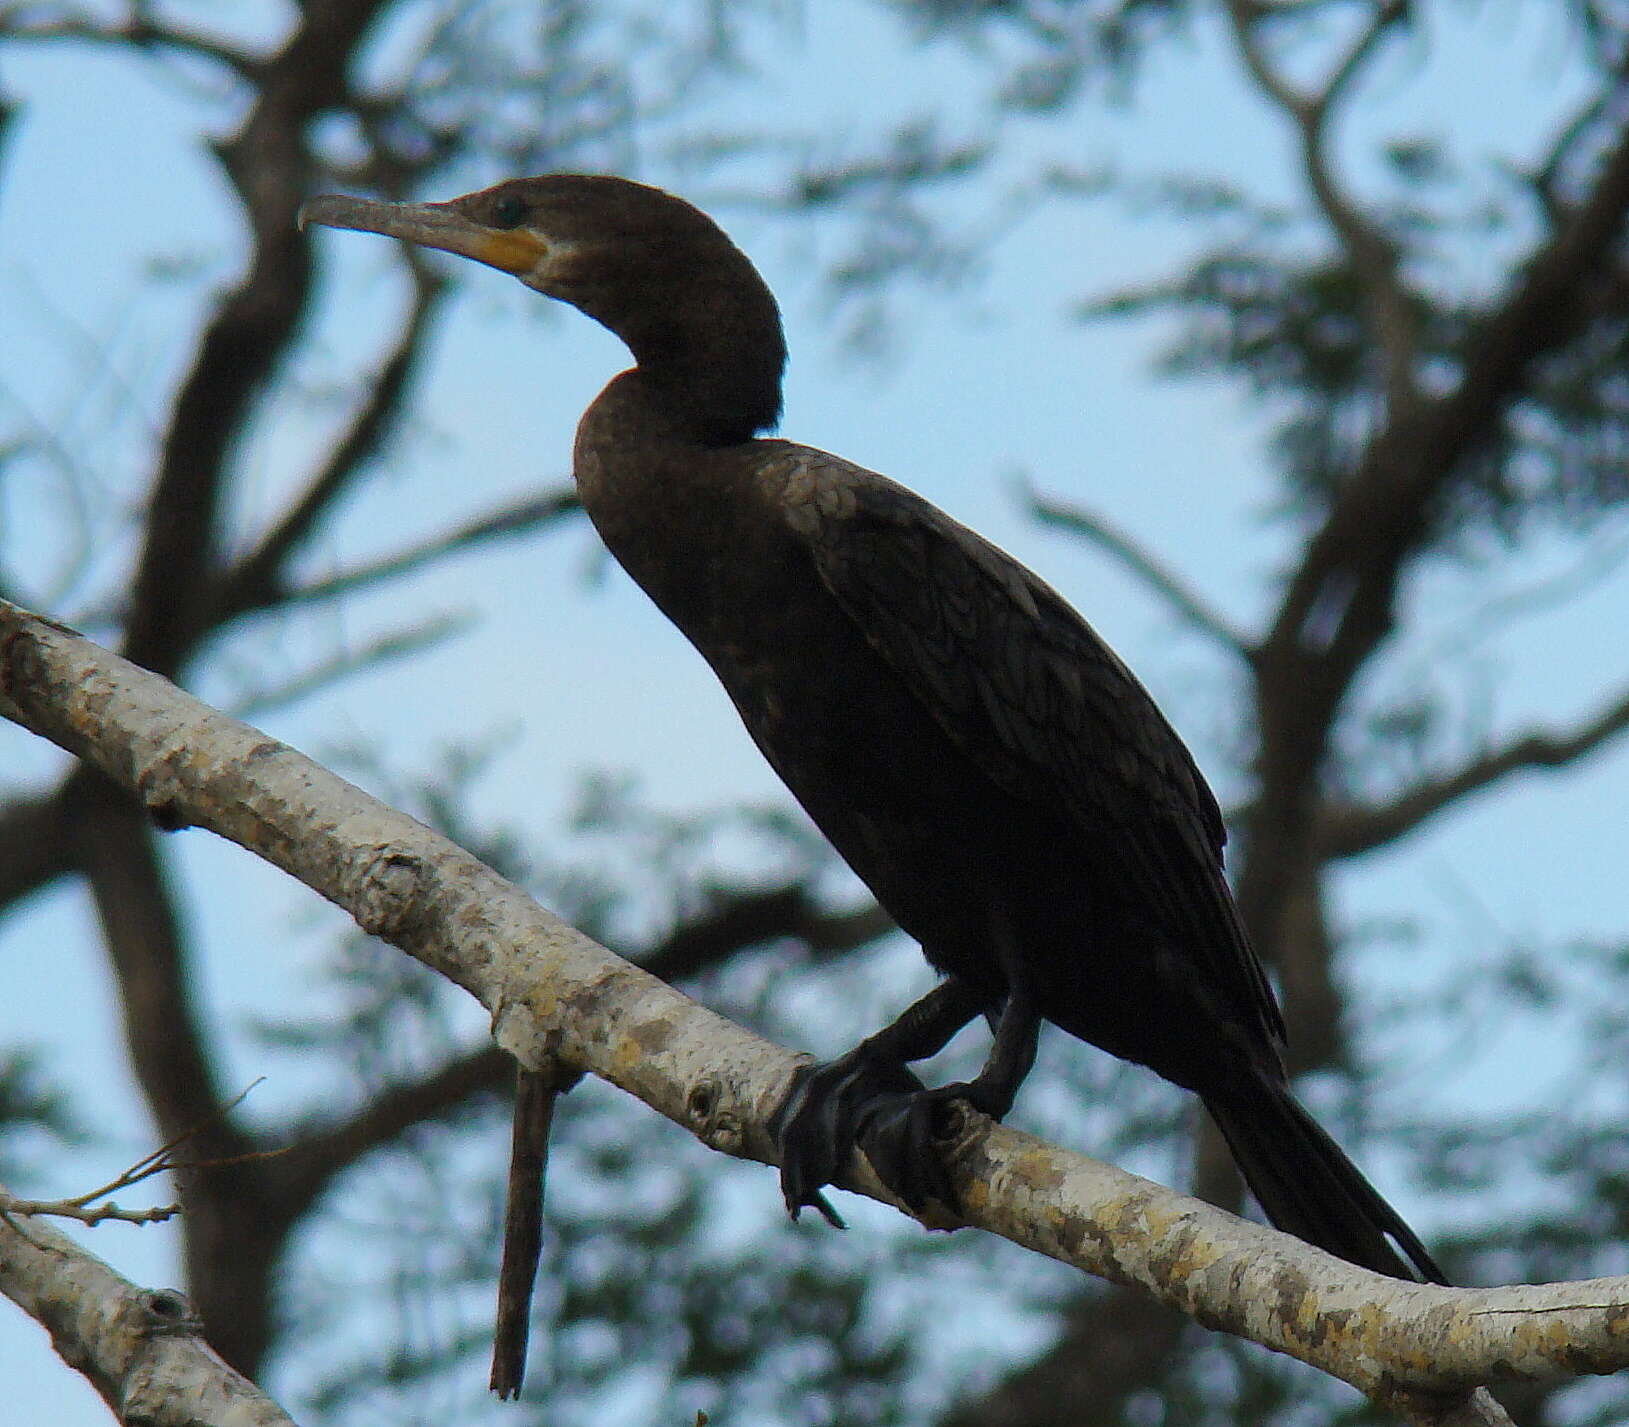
(980, 387)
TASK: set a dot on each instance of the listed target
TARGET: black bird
(979, 756)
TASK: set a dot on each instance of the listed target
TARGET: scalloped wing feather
(1026, 688)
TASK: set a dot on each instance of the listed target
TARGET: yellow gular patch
(513, 251)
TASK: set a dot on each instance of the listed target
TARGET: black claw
(882, 1109)
(815, 1126)
(823, 1204)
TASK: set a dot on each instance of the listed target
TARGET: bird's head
(654, 269)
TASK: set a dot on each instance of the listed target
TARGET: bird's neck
(704, 330)
(642, 471)
(711, 395)
(678, 514)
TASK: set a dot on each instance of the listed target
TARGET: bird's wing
(1026, 688)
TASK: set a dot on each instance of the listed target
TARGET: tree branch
(747, 918)
(1153, 572)
(306, 1168)
(1546, 175)
(316, 1154)
(1371, 252)
(140, 925)
(257, 580)
(1340, 604)
(399, 644)
(36, 843)
(143, 1351)
(518, 519)
(1353, 829)
(169, 1055)
(268, 164)
(1384, 510)
(1416, 1349)
(25, 22)
(97, 1206)
(82, 1211)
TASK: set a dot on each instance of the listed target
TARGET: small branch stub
(711, 1118)
(386, 897)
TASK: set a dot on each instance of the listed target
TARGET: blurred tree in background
(1431, 329)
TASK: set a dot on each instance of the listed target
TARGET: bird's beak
(430, 225)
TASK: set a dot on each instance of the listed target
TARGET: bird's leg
(816, 1126)
(902, 1134)
(924, 1027)
(994, 1088)
(1017, 1033)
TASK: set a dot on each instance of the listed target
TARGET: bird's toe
(817, 1126)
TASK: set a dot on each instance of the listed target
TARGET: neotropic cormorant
(980, 758)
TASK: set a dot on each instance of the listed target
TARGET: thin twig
(1372, 252)
(89, 1215)
(138, 32)
(518, 519)
(1353, 830)
(255, 581)
(86, 1208)
(1153, 572)
(386, 648)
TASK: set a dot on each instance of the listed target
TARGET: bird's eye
(509, 211)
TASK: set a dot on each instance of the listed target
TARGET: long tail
(1309, 1188)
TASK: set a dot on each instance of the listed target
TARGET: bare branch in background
(522, 518)
(260, 578)
(1372, 253)
(361, 658)
(1351, 830)
(1339, 604)
(1151, 571)
(43, 23)
(744, 919)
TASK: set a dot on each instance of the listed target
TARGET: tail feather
(1308, 1187)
